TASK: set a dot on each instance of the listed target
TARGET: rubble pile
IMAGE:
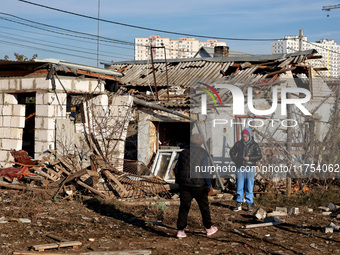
(63, 176)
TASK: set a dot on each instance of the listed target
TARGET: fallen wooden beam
(117, 182)
(259, 225)
(12, 186)
(42, 247)
(41, 172)
(91, 189)
(41, 253)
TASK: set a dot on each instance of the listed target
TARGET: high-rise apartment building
(327, 48)
(182, 48)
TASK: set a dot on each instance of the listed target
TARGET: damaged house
(163, 123)
(62, 127)
(41, 100)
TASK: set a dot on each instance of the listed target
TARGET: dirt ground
(117, 226)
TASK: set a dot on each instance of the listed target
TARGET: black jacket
(187, 160)
(241, 150)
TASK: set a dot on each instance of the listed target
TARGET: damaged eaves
(41, 67)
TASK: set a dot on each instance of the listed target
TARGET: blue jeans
(245, 183)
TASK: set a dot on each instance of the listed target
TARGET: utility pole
(166, 70)
(98, 34)
(300, 39)
(153, 72)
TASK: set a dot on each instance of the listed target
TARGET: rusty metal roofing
(182, 72)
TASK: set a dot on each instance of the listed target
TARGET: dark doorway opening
(174, 134)
(28, 141)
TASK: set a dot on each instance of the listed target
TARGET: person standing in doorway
(189, 187)
(245, 154)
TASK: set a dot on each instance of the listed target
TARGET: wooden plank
(42, 247)
(41, 253)
(91, 189)
(62, 169)
(23, 72)
(38, 170)
(11, 186)
(115, 180)
(259, 225)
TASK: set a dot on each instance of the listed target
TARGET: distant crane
(330, 7)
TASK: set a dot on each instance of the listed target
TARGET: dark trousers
(201, 196)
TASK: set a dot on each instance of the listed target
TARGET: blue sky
(216, 18)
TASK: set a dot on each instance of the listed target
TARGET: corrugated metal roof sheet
(182, 72)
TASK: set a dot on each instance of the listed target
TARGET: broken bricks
(260, 214)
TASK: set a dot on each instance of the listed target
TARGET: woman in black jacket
(245, 153)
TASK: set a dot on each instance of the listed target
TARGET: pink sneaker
(212, 230)
(181, 234)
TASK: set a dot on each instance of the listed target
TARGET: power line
(145, 28)
(88, 49)
(322, 47)
(54, 51)
(92, 37)
(49, 45)
(106, 39)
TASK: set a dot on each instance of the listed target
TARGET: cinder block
(6, 156)
(281, 209)
(6, 110)
(293, 210)
(11, 133)
(18, 110)
(50, 98)
(328, 230)
(11, 144)
(94, 88)
(5, 132)
(41, 147)
(260, 214)
(45, 135)
(67, 83)
(13, 84)
(12, 121)
(36, 83)
(44, 123)
(27, 84)
(7, 99)
(81, 86)
(51, 111)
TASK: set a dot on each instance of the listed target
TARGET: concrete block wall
(12, 122)
(49, 108)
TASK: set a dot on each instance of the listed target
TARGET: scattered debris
(259, 225)
(260, 214)
(294, 210)
(331, 206)
(43, 247)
